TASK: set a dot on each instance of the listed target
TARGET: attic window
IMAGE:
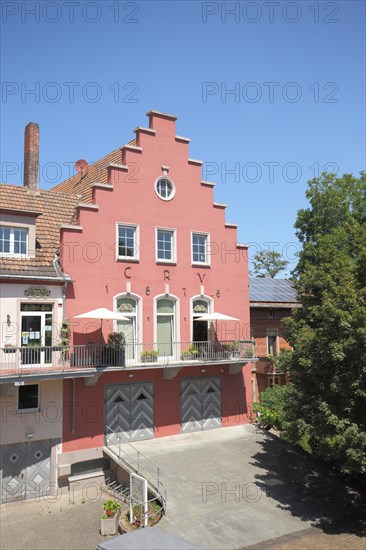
(13, 241)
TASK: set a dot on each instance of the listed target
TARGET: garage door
(200, 404)
(130, 410)
(25, 470)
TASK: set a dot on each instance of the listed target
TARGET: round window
(165, 189)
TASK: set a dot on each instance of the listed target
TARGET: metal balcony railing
(59, 359)
(183, 352)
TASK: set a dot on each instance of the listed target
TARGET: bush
(271, 406)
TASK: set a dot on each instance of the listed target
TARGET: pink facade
(89, 255)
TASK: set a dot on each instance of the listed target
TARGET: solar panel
(263, 289)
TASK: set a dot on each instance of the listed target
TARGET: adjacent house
(271, 301)
(33, 288)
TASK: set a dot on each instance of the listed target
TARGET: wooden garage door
(129, 410)
(200, 404)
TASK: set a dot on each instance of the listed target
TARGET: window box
(148, 356)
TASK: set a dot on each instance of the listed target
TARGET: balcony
(83, 361)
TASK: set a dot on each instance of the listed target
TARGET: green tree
(326, 403)
(268, 262)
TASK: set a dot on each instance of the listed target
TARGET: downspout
(73, 382)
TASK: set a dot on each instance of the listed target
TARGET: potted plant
(115, 350)
(149, 356)
(190, 354)
(110, 518)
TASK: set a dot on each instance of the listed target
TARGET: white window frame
(136, 227)
(22, 411)
(270, 313)
(11, 252)
(176, 324)
(172, 195)
(211, 309)
(138, 316)
(208, 241)
(174, 245)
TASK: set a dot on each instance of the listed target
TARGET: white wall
(11, 296)
(45, 424)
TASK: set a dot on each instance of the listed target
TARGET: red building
(271, 301)
(143, 237)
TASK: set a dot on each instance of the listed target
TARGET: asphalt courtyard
(228, 488)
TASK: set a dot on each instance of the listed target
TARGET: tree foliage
(326, 405)
(268, 262)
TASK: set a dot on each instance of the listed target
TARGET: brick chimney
(31, 156)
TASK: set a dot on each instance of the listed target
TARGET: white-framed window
(165, 188)
(165, 325)
(272, 337)
(28, 398)
(165, 245)
(271, 314)
(129, 306)
(201, 330)
(200, 243)
(13, 241)
(127, 241)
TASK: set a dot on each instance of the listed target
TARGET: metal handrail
(156, 480)
(59, 359)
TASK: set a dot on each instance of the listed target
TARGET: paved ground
(239, 487)
(63, 523)
(230, 488)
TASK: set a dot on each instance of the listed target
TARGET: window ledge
(198, 264)
(166, 262)
(127, 259)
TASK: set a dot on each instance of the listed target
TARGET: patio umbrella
(216, 317)
(102, 313)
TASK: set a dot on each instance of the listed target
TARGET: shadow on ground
(310, 489)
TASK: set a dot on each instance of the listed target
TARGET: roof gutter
(41, 278)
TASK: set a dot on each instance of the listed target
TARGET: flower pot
(109, 526)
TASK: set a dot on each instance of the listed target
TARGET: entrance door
(129, 410)
(200, 404)
(26, 470)
(36, 335)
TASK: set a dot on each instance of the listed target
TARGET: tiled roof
(263, 289)
(97, 172)
(56, 208)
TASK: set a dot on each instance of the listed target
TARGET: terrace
(84, 360)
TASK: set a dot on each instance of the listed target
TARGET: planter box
(235, 354)
(149, 359)
(189, 356)
(109, 526)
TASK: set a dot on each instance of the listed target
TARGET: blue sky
(296, 70)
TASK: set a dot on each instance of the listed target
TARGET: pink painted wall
(89, 418)
(89, 257)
